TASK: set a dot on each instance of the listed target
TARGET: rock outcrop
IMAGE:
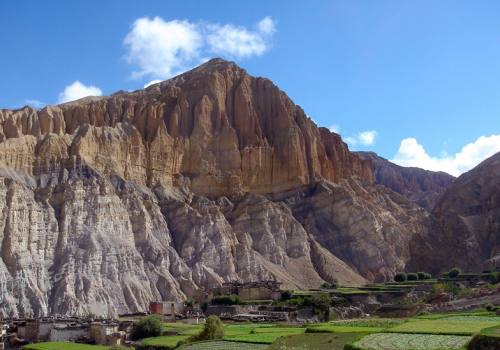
(421, 186)
(108, 203)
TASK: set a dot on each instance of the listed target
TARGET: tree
(454, 272)
(286, 295)
(150, 326)
(400, 277)
(213, 329)
(411, 276)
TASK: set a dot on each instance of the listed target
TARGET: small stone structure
(262, 290)
(166, 308)
(69, 332)
(103, 333)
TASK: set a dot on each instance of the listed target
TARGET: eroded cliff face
(109, 203)
(466, 225)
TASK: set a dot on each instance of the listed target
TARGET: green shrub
(483, 342)
(400, 277)
(213, 329)
(327, 285)
(286, 295)
(490, 307)
(454, 272)
(149, 326)
(424, 276)
(411, 276)
(495, 277)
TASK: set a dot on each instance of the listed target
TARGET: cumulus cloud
(412, 153)
(240, 42)
(78, 90)
(364, 138)
(161, 49)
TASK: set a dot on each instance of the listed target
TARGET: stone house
(262, 290)
(101, 332)
(69, 332)
(166, 308)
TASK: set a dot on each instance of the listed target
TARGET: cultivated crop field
(63, 346)
(223, 345)
(459, 325)
(395, 341)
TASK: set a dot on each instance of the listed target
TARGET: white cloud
(240, 42)
(35, 103)
(411, 153)
(161, 49)
(267, 26)
(364, 138)
(334, 128)
(78, 90)
(152, 82)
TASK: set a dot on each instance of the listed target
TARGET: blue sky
(415, 81)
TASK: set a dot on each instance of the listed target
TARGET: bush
(327, 285)
(213, 329)
(226, 300)
(483, 342)
(495, 277)
(411, 276)
(454, 272)
(490, 307)
(150, 326)
(424, 276)
(189, 303)
(400, 277)
(286, 295)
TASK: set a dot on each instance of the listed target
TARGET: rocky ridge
(421, 186)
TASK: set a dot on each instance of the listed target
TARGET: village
(265, 302)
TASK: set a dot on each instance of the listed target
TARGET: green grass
(491, 331)
(315, 341)
(223, 345)
(370, 322)
(459, 325)
(170, 341)
(63, 346)
(395, 341)
(265, 335)
(343, 329)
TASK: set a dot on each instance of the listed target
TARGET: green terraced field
(223, 345)
(343, 329)
(395, 341)
(63, 346)
(315, 341)
(170, 341)
(459, 325)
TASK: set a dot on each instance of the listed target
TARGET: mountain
(419, 185)
(466, 231)
(108, 203)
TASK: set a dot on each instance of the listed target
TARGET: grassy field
(315, 341)
(443, 331)
(395, 341)
(223, 345)
(63, 346)
(167, 340)
(458, 325)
